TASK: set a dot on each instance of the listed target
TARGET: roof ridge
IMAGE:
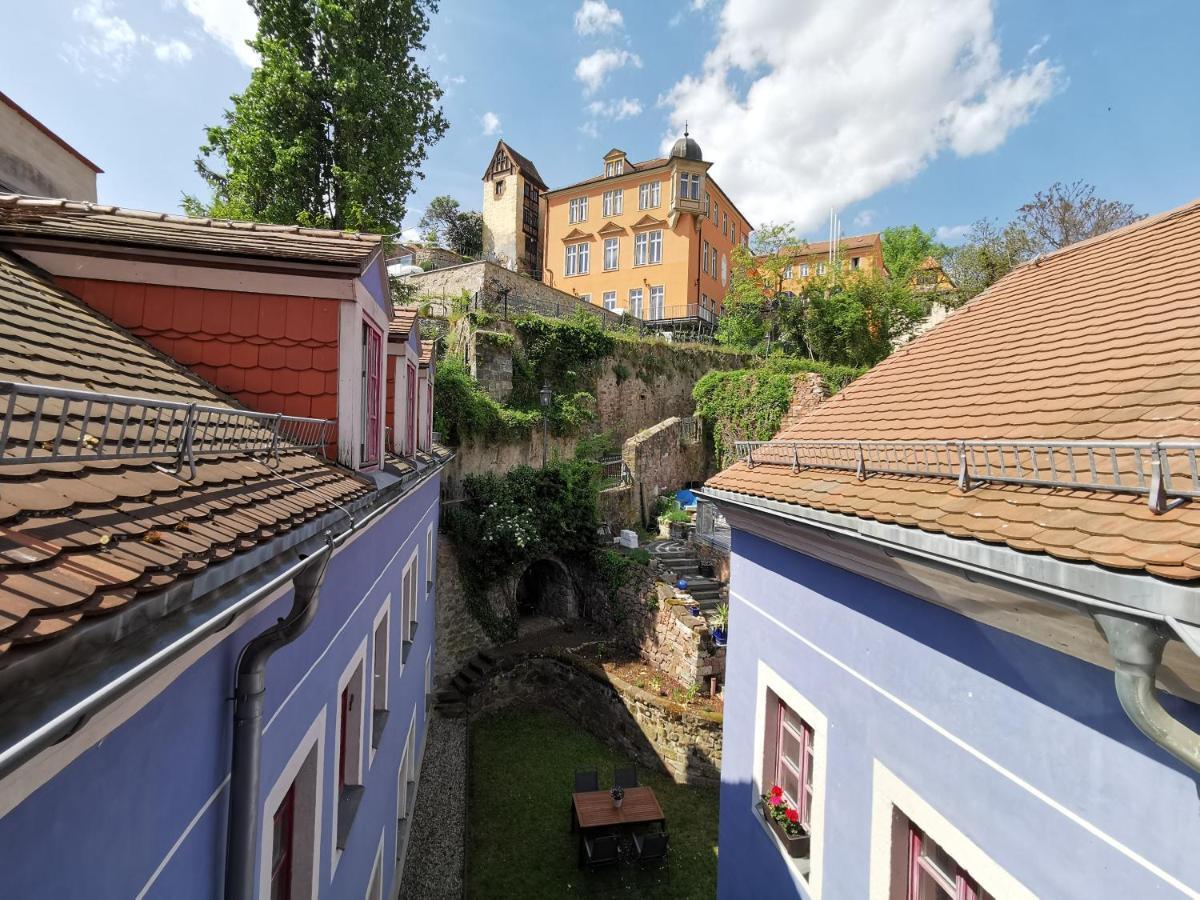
(84, 207)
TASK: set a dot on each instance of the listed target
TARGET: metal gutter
(250, 693)
(1136, 634)
(287, 564)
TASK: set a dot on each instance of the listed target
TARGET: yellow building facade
(652, 239)
(858, 253)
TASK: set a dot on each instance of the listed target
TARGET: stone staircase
(451, 701)
(681, 561)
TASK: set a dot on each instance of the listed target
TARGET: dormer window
(372, 373)
(614, 167)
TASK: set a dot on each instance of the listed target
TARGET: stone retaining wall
(655, 733)
(660, 460)
(680, 644)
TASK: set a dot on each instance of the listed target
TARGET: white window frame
(609, 299)
(661, 305)
(770, 680)
(355, 773)
(375, 882)
(635, 302)
(430, 560)
(704, 258)
(614, 245)
(614, 202)
(429, 674)
(312, 742)
(409, 578)
(649, 195)
(803, 270)
(787, 272)
(888, 795)
(577, 210)
(724, 270)
(382, 622)
(655, 245)
(820, 268)
(641, 248)
(586, 298)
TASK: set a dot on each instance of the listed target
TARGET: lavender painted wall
(1050, 720)
(103, 825)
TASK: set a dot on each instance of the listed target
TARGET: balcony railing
(680, 311)
(614, 473)
(687, 204)
(47, 425)
(1166, 472)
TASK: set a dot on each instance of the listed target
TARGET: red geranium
(793, 816)
(776, 791)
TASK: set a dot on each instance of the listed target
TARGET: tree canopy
(445, 222)
(334, 125)
(905, 247)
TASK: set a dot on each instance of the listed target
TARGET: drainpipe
(1137, 648)
(249, 694)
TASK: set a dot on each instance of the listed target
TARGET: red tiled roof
(426, 353)
(403, 319)
(854, 242)
(92, 222)
(631, 167)
(1098, 341)
(82, 539)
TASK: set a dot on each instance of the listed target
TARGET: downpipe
(1137, 649)
(249, 695)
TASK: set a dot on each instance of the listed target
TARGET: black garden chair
(601, 851)
(625, 778)
(586, 780)
(651, 848)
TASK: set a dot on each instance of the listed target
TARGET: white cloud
(172, 51)
(490, 122)
(590, 129)
(229, 22)
(593, 70)
(616, 109)
(864, 218)
(597, 17)
(952, 234)
(792, 134)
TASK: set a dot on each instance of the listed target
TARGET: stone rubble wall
(458, 634)
(490, 360)
(660, 460)
(810, 392)
(680, 644)
(656, 733)
(715, 557)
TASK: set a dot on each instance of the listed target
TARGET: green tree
(1066, 213)
(445, 222)
(853, 319)
(905, 247)
(990, 252)
(753, 300)
(336, 121)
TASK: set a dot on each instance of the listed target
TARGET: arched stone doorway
(545, 589)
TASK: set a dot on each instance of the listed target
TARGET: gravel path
(433, 868)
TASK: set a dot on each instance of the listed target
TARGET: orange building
(858, 253)
(653, 239)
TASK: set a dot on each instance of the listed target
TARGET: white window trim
(314, 737)
(376, 871)
(616, 243)
(609, 297)
(385, 609)
(359, 658)
(430, 560)
(769, 679)
(890, 792)
(406, 620)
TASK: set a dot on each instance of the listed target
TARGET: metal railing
(41, 424)
(614, 473)
(689, 429)
(1164, 471)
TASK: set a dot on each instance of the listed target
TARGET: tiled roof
(403, 319)
(426, 353)
(635, 167)
(85, 539)
(525, 165)
(111, 225)
(854, 242)
(1098, 341)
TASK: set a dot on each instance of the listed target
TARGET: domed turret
(687, 148)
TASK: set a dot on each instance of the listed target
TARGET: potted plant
(720, 630)
(618, 794)
(784, 820)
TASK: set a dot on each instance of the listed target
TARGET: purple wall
(103, 825)
(1049, 719)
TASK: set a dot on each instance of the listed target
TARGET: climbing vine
(748, 404)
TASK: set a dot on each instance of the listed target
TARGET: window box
(349, 800)
(795, 846)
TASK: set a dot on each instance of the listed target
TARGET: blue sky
(938, 112)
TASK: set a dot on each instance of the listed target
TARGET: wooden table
(594, 809)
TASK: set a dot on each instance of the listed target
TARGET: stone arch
(545, 588)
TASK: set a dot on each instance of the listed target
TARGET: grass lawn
(523, 763)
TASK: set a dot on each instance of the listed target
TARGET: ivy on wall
(749, 404)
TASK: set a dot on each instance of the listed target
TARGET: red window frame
(410, 424)
(801, 773)
(429, 409)
(343, 730)
(372, 376)
(924, 872)
(281, 846)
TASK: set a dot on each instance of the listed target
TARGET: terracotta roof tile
(1099, 341)
(77, 220)
(426, 353)
(81, 538)
(403, 319)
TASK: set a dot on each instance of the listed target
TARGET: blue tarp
(686, 498)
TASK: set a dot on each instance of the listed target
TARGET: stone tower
(514, 212)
